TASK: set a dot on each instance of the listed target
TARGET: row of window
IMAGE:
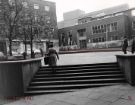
(46, 7)
(105, 28)
(98, 17)
(100, 39)
(133, 25)
(103, 39)
(36, 6)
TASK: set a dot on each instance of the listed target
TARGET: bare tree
(11, 14)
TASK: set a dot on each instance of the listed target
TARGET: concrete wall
(127, 65)
(15, 76)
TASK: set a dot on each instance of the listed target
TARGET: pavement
(122, 94)
(87, 58)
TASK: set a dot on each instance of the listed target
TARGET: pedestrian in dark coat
(53, 56)
(133, 46)
(125, 45)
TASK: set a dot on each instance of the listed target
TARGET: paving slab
(87, 58)
(97, 102)
(123, 102)
(123, 94)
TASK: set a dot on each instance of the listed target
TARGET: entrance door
(83, 44)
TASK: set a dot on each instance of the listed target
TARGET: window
(133, 25)
(103, 39)
(36, 17)
(99, 39)
(108, 28)
(10, 2)
(81, 32)
(105, 28)
(115, 26)
(99, 29)
(25, 4)
(96, 29)
(47, 18)
(47, 8)
(48, 21)
(36, 6)
(93, 30)
(102, 28)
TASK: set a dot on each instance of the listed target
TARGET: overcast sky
(87, 5)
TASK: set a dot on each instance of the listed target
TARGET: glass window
(25, 4)
(105, 28)
(102, 28)
(48, 21)
(100, 39)
(47, 8)
(36, 6)
(133, 25)
(81, 32)
(99, 29)
(93, 30)
(47, 18)
(108, 27)
(10, 2)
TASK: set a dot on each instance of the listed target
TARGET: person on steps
(53, 56)
(125, 45)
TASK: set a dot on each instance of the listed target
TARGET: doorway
(83, 44)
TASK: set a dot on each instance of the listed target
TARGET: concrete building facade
(70, 18)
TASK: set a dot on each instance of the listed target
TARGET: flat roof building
(70, 18)
(107, 27)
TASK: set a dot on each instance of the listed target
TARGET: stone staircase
(73, 77)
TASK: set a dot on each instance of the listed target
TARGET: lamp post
(107, 36)
(25, 43)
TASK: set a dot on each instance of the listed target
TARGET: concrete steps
(73, 77)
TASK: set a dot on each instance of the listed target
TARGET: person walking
(53, 56)
(133, 46)
(125, 45)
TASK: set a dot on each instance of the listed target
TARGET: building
(113, 25)
(47, 10)
(89, 16)
(44, 22)
(70, 18)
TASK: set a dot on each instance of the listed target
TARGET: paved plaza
(122, 94)
(88, 58)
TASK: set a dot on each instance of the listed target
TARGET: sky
(63, 6)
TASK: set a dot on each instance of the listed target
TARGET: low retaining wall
(127, 65)
(15, 76)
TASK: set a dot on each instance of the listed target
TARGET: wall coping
(22, 61)
(126, 55)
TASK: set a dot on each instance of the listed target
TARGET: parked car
(36, 51)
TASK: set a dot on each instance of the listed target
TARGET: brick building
(100, 28)
(44, 20)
